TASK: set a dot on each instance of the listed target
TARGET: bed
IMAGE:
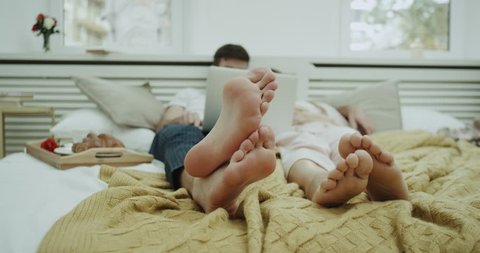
(102, 208)
(107, 209)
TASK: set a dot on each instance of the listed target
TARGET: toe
(272, 86)
(256, 74)
(328, 184)
(247, 146)
(266, 79)
(366, 142)
(336, 174)
(268, 96)
(344, 146)
(342, 166)
(266, 136)
(237, 156)
(263, 108)
(365, 164)
(352, 160)
(254, 137)
(356, 140)
(386, 157)
(375, 151)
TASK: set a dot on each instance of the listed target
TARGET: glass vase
(46, 42)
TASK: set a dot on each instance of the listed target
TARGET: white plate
(64, 150)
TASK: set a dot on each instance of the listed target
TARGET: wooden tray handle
(108, 154)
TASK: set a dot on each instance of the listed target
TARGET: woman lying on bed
(332, 162)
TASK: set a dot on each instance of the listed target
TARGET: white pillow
(79, 123)
(415, 118)
(380, 102)
(129, 105)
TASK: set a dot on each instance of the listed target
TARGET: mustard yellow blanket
(138, 213)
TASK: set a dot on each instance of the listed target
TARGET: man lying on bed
(238, 152)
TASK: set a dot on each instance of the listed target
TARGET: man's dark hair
(230, 51)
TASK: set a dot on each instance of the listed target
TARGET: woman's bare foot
(349, 179)
(386, 180)
(244, 104)
(254, 160)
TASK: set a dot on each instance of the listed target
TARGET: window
(137, 26)
(398, 27)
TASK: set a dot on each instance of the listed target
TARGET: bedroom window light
(404, 28)
(132, 26)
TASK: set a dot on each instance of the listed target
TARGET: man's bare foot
(254, 160)
(244, 104)
(349, 179)
(386, 180)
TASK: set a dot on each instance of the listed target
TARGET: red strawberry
(49, 144)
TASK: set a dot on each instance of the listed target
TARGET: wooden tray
(89, 157)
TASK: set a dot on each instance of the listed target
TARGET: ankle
(186, 180)
(314, 184)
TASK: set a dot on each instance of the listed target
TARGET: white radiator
(454, 90)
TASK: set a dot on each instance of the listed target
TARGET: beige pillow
(128, 105)
(380, 102)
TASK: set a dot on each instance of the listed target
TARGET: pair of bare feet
(365, 168)
(238, 150)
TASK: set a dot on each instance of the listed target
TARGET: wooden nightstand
(20, 111)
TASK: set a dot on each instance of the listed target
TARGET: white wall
(267, 27)
(16, 21)
(309, 28)
(472, 30)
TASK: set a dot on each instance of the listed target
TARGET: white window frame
(456, 37)
(57, 45)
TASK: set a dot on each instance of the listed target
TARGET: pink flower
(34, 28)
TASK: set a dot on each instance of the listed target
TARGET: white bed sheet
(35, 195)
